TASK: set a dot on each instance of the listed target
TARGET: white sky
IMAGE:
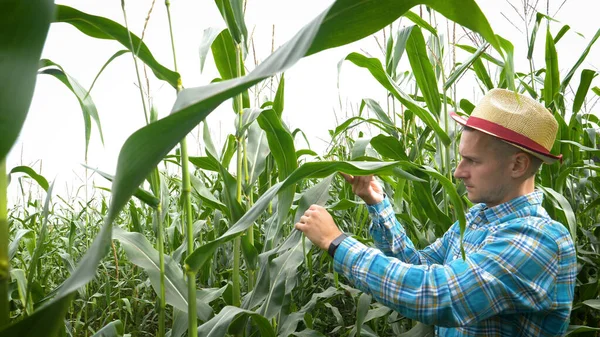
(53, 133)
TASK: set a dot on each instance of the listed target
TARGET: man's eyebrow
(468, 157)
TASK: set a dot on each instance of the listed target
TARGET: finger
(299, 226)
(313, 207)
(349, 178)
(303, 219)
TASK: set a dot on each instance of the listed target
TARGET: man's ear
(521, 164)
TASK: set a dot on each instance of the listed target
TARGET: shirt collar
(491, 214)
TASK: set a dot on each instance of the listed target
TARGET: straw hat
(516, 119)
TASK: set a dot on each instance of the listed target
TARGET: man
(519, 273)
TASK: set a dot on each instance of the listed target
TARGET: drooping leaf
(143, 195)
(372, 15)
(414, 17)
(32, 174)
(24, 26)
(103, 28)
(456, 74)
(208, 37)
(88, 108)
(567, 79)
(375, 68)
(110, 59)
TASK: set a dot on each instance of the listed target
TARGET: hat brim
(546, 157)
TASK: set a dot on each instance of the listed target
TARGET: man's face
(484, 169)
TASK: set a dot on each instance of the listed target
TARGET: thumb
(349, 178)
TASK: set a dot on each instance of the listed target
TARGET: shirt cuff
(376, 209)
(344, 252)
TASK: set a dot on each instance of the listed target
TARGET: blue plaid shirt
(517, 279)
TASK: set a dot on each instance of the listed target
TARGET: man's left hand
(318, 226)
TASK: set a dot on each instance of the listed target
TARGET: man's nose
(459, 172)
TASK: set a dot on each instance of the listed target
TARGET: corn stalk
(4, 266)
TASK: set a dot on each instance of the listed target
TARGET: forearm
(391, 238)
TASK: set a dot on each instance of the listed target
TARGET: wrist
(335, 244)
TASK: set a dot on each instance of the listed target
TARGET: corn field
(205, 245)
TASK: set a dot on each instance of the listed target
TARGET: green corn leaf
(509, 66)
(581, 147)
(40, 241)
(359, 148)
(577, 329)
(566, 214)
(587, 75)
(85, 100)
(232, 13)
(143, 195)
(364, 303)
(24, 26)
(45, 321)
(414, 17)
(223, 50)
(208, 37)
(209, 146)
(484, 56)
(219, 325)
(32, 174)
(370, 16)
(381, 115)
(112, 329)
(376, 69)
(423, 70)
(224, 54)
(290, 323)
(278, 101)
(103, 28)
(142, 254)
(552, 79)
(258, 150)
(389, 147)
(110, 59)
(538, 19)
(482, 74)
(280, 141)
(456, 74)
(281, 144)
(455, 199)
(567, 79)
(419, 330)
(399, 47)
(14, 244)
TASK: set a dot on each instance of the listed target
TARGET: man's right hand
(366, 187)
